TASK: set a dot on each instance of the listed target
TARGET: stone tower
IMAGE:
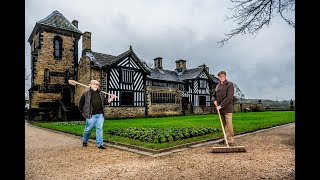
(54, 60)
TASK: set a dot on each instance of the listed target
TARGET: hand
(215, 103)
(218, 107)
(113, 96)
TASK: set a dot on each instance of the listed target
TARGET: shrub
(156, 135)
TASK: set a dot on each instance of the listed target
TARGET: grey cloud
(262, 66)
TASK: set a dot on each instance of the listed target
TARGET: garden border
(164, 151)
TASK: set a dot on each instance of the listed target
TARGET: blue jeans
(95, 120)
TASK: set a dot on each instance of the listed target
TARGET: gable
(129, 62)
(129, 59)
(203, 75)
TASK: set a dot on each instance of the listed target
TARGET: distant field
(175, 126)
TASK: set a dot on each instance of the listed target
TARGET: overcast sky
(263, 66)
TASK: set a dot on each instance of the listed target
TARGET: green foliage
(242, 123)
(161, 135)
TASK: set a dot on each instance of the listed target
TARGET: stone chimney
(181, 65)
(158, 63)
(86, 42)
(75, 23)
(204, 66)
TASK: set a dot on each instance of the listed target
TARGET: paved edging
(161, 152)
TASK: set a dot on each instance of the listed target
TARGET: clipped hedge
(157, 135)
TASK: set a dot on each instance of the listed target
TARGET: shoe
(84, 144)
(102, 147)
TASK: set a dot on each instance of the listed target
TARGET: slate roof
(214, 78)
(165, 75)
(191, 73)
(101, 60)
(55, 20)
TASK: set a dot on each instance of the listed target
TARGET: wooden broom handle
(224, 133)
(89, 87)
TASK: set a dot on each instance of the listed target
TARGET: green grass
(242, 122)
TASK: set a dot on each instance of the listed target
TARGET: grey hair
(94, 81)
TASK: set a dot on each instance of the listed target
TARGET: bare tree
(238, 94)
(252, 15)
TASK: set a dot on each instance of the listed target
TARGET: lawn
(242, 122)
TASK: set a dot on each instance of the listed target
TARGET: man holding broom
(91, 106)
(223, 101)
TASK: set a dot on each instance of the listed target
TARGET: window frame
(122, 76)
(205, 100)
(205, 83)
(186, 87)
(130, 100)
(66, 76)
(59, 49)
(46, 78)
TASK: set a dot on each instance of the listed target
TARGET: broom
(73, 82)
(228, 148)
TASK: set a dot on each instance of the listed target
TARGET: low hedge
(158, 135)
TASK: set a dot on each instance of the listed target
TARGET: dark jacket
(85, 104)
(223, 94)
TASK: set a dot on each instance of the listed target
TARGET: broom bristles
(228, 149)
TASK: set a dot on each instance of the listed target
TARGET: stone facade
(203, 110)
(54, 59)
(123, 112)
(247, 107)
(42, 45)
(86, 41)
(85, 74)
(164, 109)
(156, 110)
(43, 97)
(46, 60)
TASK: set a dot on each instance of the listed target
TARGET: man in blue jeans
(91, 106)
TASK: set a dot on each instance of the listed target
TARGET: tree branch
(252, 15)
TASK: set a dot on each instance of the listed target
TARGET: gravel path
(270, 155)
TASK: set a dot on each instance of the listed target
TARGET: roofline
(34, 30)
(164, 70)
(38, 26)
(129, 52)
(182, 82)
(207, 73)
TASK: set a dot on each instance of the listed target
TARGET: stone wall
(46, 59)
(247, 107)
(86, 41)
(123, 112)
(158, 109)
(83, 77)
(35, 41)
(164, 109)
(85, 74)
(203, 110)
(43, 97)
(96, 74)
